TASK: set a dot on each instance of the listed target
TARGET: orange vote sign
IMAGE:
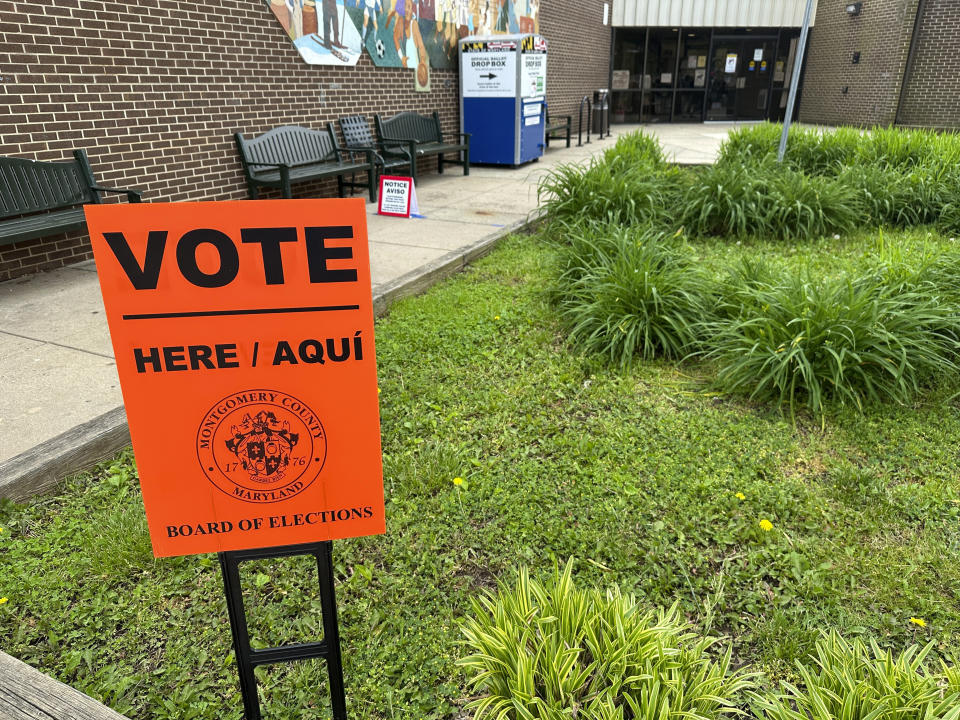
(243, 333)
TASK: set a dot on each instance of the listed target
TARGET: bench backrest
(409, 126)
(356, 131)
(31, 186)
(288, 145)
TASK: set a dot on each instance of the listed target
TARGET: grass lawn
(648, 478)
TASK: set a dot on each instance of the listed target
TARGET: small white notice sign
(731, 66)
(398, 197)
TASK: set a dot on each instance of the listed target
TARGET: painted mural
(321, 30)
(415, 34)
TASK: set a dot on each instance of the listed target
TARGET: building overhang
(710, 13)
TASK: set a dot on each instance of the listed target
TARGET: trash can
(600, 122)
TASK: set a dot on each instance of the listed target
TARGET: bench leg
(440, 163)
(413, 168)
(372, 185)
(253, 192)
(466, 161)
(340, 185)
(568, 136)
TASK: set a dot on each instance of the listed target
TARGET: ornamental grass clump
(601, 191)
(801, 206)
(903, 149)
(809, 150)
(636, 150)
(949, 220)
(628, 292)
(631, 183)
(546, 651)
(851, 681)
(832, 341)
(768, 200)
(725, 199)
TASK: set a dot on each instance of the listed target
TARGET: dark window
(628, 59)
(661, 58)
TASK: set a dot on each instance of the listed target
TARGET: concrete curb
(43, 468)
(418, 280)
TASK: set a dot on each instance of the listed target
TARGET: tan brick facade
(153, 91)
(839, 92)
(881, 89)
(931, 93)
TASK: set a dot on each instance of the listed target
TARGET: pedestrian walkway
(56, 360)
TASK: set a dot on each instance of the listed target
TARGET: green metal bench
(558, 130)
(421, 137)
(358, 137)
(290, 153)
(46, 198)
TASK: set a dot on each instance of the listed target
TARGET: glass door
(753, 91)
(740, 75)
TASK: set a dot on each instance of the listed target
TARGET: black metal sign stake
(248, 658)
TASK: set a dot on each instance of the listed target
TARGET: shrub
(749, 145)
(833, 341)
(632, 183)
(886, 199)
(768, 200)
(809, 150)
(949, 220)
(603, 191)
(900, 149)
(725, 199)
(636, 150)
(634, 291)
(546, 651)
(803, 206)
(849, 681)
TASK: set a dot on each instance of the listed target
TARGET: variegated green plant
(549, 650)
(853, 681)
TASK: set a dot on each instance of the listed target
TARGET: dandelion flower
(496, 317)
(458, 481)
(740, 496)
(919, 621)
(766, 525)
(3, 600)
(836, 237)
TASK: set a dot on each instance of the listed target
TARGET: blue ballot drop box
(503, 88)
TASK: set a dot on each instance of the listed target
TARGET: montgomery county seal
(261, 446)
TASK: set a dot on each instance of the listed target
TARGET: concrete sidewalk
(56, 360)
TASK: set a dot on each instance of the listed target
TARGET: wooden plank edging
(44, 467)
(28, 694)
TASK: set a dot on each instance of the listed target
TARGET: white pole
(795, 80)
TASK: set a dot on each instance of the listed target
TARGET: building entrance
(695, 74)
(741, 78)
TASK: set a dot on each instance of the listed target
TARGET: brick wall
(838, 92)
(153, 90)
(579, 53)
(931, 93)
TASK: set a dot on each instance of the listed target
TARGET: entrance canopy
(709, 13)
